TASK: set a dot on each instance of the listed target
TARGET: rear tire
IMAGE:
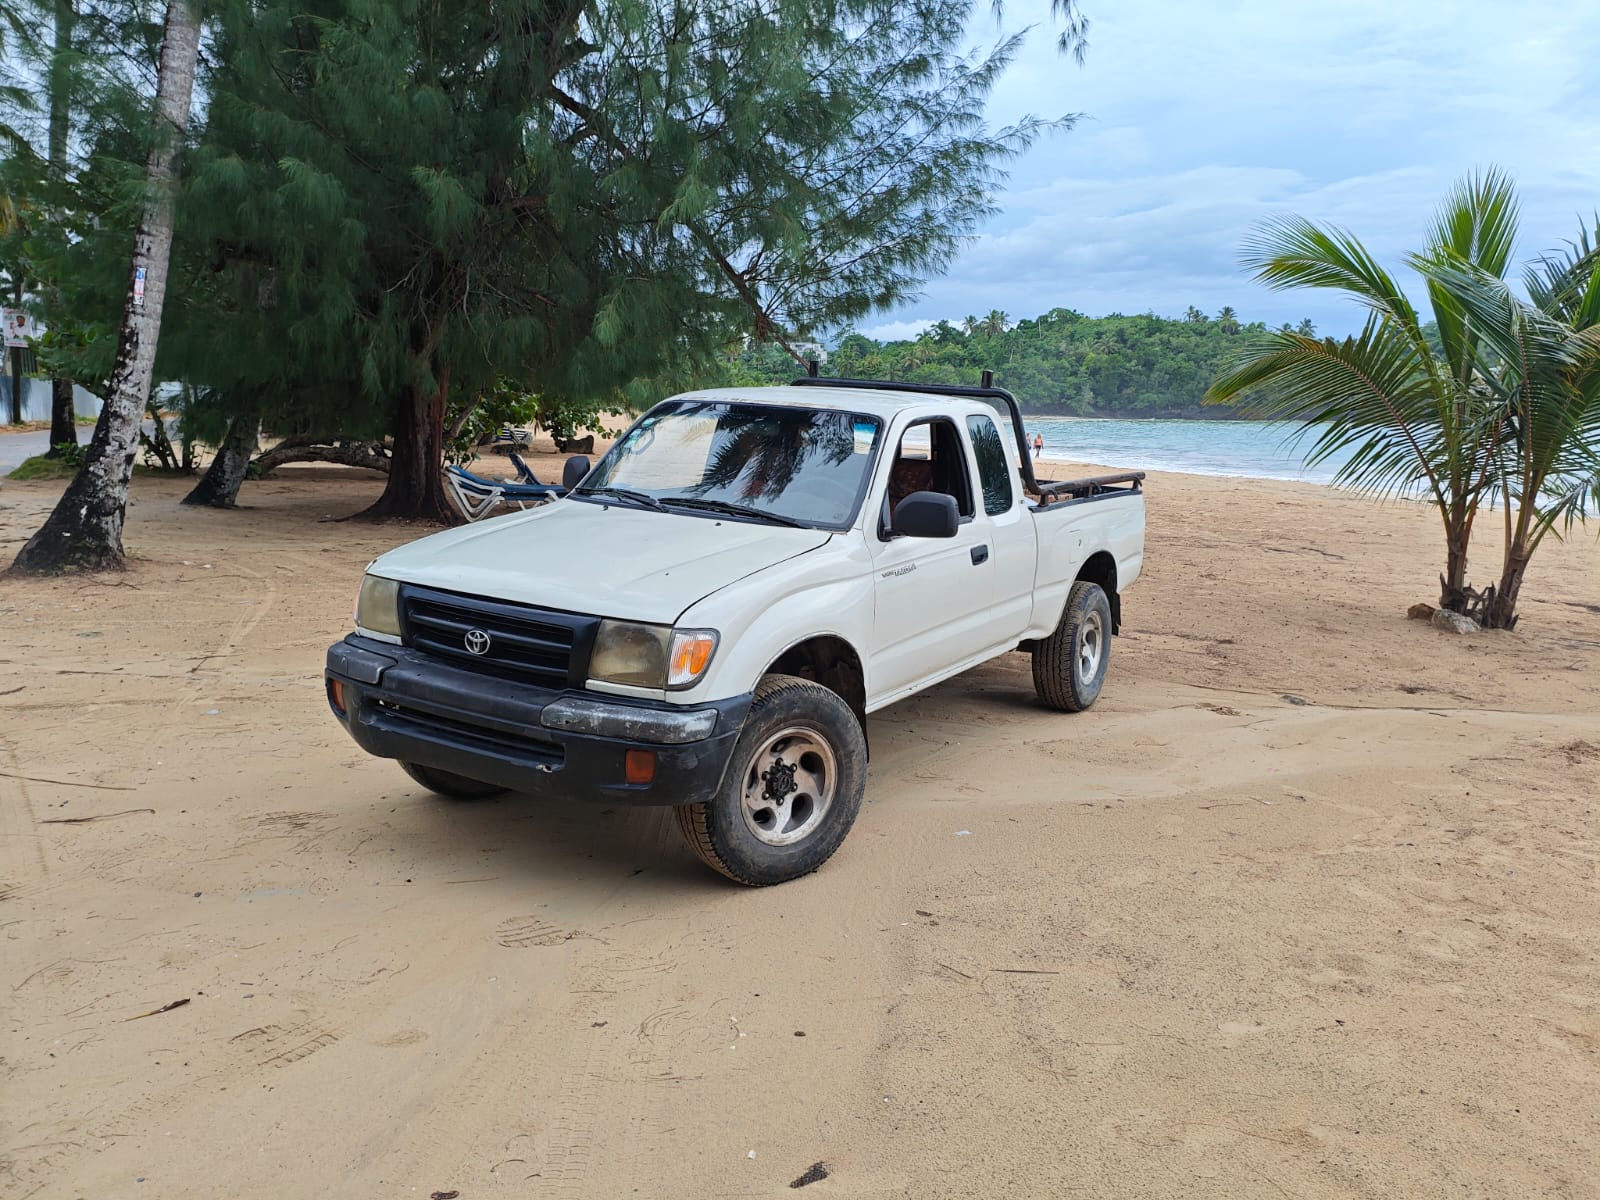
(446, 783)
(1069, 666)
(791, 791)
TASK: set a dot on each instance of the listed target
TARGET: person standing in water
(1038, 444)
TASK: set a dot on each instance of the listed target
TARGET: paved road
(14, 447)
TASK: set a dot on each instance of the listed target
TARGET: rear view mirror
(573, 472)
(926, 515)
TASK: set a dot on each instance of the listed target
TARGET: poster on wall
(19, 326)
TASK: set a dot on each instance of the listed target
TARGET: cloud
(1201, 121)
(898, 331)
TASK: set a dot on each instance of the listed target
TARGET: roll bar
(1045, 489)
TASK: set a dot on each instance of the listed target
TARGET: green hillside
(1062, 362)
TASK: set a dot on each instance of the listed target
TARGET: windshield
(788, 465)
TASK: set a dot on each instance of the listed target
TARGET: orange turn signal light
(640, 766)
(691, 654)
(336, 693)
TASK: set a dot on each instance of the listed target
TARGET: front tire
(792, 789)
(1069, 666)
(446, 783)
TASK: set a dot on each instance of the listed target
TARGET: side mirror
(926, 515)
(573, 471)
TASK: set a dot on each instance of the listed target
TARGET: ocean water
(1252, 449)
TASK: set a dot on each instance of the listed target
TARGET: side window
(994, 469)
(950, 465)
(930, 458)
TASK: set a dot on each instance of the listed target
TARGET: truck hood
(604, 560)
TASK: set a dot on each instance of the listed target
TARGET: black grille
(534, 645)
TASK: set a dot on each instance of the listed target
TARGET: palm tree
(63, 425)
(84, 530)
(1228, 320)
(1406, 417)
(996, 323)
(1194, 316)
(1306, 328)
(1541, 362)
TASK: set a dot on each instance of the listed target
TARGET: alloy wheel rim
(788, 786)
(1091, 645)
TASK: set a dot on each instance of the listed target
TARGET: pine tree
(402, 202)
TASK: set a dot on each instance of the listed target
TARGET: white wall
(36, 400)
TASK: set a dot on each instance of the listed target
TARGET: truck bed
(1054, 494)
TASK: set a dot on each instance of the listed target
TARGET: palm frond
(1476, 224)
(1577, 467)
(1547, 376)
(1567, 284)
(1478, 220)
(1291, 252)
(1373, 397)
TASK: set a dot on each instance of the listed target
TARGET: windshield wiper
(625, 494)
(735, 510)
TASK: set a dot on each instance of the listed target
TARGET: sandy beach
(1307, 906)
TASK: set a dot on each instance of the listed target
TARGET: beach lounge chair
(524, 471)
(477, 497)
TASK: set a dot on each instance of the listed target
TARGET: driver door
(931, 595)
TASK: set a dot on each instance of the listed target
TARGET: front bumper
(558, 743)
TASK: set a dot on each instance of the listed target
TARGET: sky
(1199, 121)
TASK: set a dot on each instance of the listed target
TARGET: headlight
(652, 656)
(378, 607)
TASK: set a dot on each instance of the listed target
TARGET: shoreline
(1042, 416)
(1245, 449)
(1047, 460)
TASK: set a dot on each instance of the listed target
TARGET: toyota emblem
(477, 642)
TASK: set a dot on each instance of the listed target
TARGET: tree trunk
(415, 489)
(463, 417)
(1453, 583)
(84, 532)
(1502, 610)
(61, 85)
(219, 486)
(63, 421)
(17, 384)
(158, 443)
(347, 454)
(1453, 591)
(14, 417)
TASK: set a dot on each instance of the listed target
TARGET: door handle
(980, 554)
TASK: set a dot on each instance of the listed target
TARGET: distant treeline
(1062, 362)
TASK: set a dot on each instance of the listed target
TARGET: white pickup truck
(712, 611)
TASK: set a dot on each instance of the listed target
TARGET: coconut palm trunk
(1542, 361)
(19, 382)
(84, 532)
(63, 422)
